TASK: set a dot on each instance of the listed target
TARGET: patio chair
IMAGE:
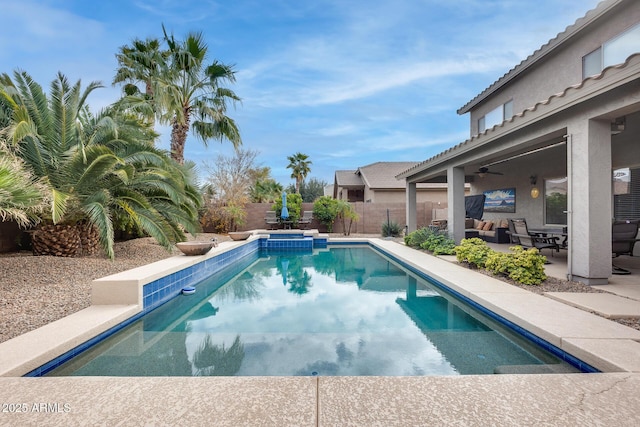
(624, 235)
(512, 231)
(305, 220)
(271, 219)
(533, 240)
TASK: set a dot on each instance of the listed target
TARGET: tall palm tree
(181, 89)
(299, 165)
(100, 169)
(189, 88)
(140, 62)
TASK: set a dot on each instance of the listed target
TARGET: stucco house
(377, 183)
(563, 129)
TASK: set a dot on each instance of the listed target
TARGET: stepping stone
(606, 305)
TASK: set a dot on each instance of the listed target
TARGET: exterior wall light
(534, 190)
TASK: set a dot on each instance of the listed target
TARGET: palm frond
(97, 211)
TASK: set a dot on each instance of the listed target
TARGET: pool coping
(601, 343)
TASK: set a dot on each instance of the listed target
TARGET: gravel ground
(35, 291)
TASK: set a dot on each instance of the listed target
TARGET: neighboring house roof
(569, 32)
(382, 175)
(628, 69)
(348, 178)
(379, 176)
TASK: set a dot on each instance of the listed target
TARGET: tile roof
(580, 24)
(632, 62)
(348, 178)
(382, 175)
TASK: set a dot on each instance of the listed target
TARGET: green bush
(416, 238)
(391, 229)
(523, 266)
(433, 241)
(294, 206)
(325, 210)
(439, 244)
(473, 251)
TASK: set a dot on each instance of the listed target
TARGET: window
(614, 51)
(495, 116)
(555, 201)
(626, 193)
(592, 63)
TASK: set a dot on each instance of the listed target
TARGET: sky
(346, 82)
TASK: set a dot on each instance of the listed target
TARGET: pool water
(336, 311)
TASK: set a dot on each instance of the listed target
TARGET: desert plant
(346, 212)
(416, 238)
(391, 229)
(473, 251)
(439, 243)
(523, 266)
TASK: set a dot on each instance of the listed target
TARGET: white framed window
(612, 52)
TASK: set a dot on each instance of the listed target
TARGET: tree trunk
(89, 238)
(56, 240)
(179, 137)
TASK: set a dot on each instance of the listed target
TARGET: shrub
(439, 244)
(391, 229)
(294, 206)
(325, 210)
(473, 251)
(523, 266)
(416, 238)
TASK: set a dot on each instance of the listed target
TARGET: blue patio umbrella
(284, 214)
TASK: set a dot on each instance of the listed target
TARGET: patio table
(553, 232)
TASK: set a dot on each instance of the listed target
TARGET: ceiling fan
(484, 171)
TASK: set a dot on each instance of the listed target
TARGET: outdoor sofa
(494, 231)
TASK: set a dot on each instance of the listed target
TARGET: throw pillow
(504, 224)
(488, 226)
(480, 225)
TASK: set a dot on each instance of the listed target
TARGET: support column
(589, 201)
(455, 203)
(411, 209)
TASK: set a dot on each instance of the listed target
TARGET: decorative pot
(239, 235)
(195, 248)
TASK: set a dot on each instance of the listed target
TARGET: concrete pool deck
(609, 398)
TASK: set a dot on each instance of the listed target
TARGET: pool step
(535, 369)
(300, 243)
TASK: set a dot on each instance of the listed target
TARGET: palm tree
(299, 166)
(181, 89)
(100, 169)
(265, 191)
(189, 88)
(140, 62)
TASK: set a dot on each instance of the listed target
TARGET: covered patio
(568, 148)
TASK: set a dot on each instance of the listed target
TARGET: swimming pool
(333, 311)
